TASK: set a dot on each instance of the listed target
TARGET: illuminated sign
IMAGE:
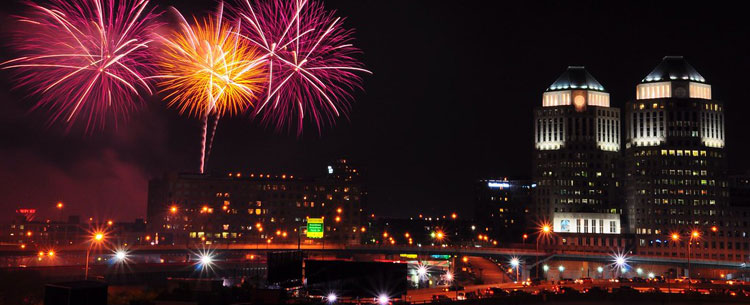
(315, 228)
(493, 184)
(330, 169)
(441, 256)
(413, 256)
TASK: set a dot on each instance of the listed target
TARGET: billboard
(315, 228)
(597, 223)
(357, 279)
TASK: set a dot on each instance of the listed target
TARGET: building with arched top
(675, 163)
(576, 150)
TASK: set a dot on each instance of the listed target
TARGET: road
(491, 272)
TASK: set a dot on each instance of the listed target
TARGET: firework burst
(86, 59)
(311, 64)
(208, 70)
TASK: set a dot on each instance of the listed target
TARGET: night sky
(450, 102)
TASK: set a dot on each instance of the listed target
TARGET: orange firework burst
(207, 69)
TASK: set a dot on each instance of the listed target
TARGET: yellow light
(546, 229)
(465, 259)
(60, 205)
(173, 209)
(675, 236)
(257, 225)
(268, 240)
(28, 233)
(278, 232)
(385, 234)
(454, 215)
(41, 253)
(696, 234)
(406, 235)
(109, 222)
(51, 253)
(98, 236)
(338, 219)
(208, 68)
(439, 235)
(339, 210)
(148, 237)
(714, 228)
(283, 234)
(23, 246)
(363, 229)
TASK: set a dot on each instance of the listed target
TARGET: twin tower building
(653, 169)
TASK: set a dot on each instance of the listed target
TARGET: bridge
(500, 253)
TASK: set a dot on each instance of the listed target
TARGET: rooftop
(576, 77)
(673, 68)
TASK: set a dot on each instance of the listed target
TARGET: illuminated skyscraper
(576, 149)
(675, 159)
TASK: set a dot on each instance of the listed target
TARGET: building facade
(255, 207)
(576, 149)
(675, 164)
(501, 206)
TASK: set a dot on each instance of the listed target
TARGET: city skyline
(420, 148)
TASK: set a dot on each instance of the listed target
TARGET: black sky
(451, 101)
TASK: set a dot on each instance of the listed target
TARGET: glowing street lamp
(331, 298)
(693, 235)
(96, 239)
(383, 299)
(544, 231)
(422, 271)
(439, 235)
(121, 255)
(515, 263)
(561, 269)
(545, 268)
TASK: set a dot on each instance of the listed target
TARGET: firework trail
(88, 60)
(311, 68)
(209, 70)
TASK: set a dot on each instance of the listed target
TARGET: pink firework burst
(311, 65)
(87, 60)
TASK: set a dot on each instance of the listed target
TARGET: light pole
(97, 238)
(515, 263)
(544, 231)
(693, 235)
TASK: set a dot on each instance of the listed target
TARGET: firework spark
(310, 61)
(86, 59)
(208, 70)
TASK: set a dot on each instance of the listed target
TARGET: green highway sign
(315, 228)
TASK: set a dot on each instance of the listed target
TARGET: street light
(96, 239)
(515, 263)
(383, 299)
(544, 231)
(693, 235)
(331, 298)
(620, 262)
(121, 255)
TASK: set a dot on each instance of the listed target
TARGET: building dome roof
(576, 77)
(673, 68)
